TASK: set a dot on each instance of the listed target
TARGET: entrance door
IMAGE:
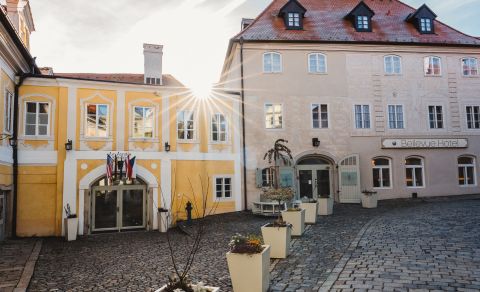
(314, 181)
(349, 179)
(306, 183)
(3, 214)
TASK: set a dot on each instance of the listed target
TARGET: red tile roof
(168, 80)
(325, 22)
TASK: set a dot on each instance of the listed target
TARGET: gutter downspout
(244, 146)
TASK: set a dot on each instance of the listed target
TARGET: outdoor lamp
(12, 142)
(315, 142)
(167, 147)
(68, 145)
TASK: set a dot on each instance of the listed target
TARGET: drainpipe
(244, 145)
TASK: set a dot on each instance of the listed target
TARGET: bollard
(189, 208)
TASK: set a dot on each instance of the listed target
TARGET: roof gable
(361, 9)
(423, 11)
(292, 6)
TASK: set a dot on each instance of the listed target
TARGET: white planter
(278, 238)
(71, 228)
(162, 221)
(297, 219)
(250, 272)
(211, 289)
(370, 202)
(311, 210)
(325, 206)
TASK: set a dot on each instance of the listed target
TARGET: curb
(29, 268)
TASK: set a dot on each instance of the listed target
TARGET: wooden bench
(268, 208)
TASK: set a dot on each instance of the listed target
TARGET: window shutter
(258, 177)
(287, 177)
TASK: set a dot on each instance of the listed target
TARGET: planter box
(370, 201)
(71, 228)
(297, 219)
(278, 238)
(325, 206)
(211, 289)
(250, 272)
(311, 210)
(162, 221)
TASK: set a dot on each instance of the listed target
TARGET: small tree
(279, 195)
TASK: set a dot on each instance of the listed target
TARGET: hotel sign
(431, 143)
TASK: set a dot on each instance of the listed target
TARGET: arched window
(382, 173)
(414, 170)
(393, 65)
(317, 63)
(466, 171)
(272, 62)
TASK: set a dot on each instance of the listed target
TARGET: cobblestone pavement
(13, 256)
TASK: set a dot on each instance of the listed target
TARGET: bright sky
(107, 36)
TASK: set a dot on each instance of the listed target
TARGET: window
(97, 120)
(143, 122)
(425, 25)
(317, 63)
(473, 117)
(414, 172)
(268, 175)
(223, 187)
(381, 173)
(395, 117)
(293, 19)
(393, 65)
(8, 122)
(320, 116)
(219, 128)
(273, 116)
(185, 125)
(272, 63)
(153, 81)
(362, 23)
(470, 67)
(432, 66)
(435, 116)
(466, 171)
(362, 116)
(37, 118)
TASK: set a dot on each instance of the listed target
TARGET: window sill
(471, 76)
(36, 138)
(181, 141)
(274, 129)
(272, 73)
(95, 139)
(383, 189)
(394, 74)
(468, 186)
(224, 200)
(220, 143)
(318, 73)
(145, 140)
(433, 75)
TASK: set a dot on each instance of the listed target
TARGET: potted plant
(248, 263)
(163, 220)
(296, 217)
(325, 205)
(278, 234)
(369, 199)
(311, 210)
(71, 224)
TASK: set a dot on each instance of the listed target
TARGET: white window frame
(194, 136)
(36, 118)
(282, 126)
(413, 167)
(396, 121)
(470, 74)
(269, 177)
(219, 132)
(293, 19)
(143, 117)
(107, 122)
(436, 117)
(317, 55)
(380, 168)
(464, 167)
(426, 24)
(320, 115)
(361, 22)
(272, 69)
(392, 58)
(214, 185)
(363, 115)
(8, 109)
(466, 117)
(430, 63)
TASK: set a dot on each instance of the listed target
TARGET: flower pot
(250, 272)
(325, 206)
(370, 201)
(162, 220)
(71, 228)
(311, 210)
(278, 238)
(210, 289)
(297, 219)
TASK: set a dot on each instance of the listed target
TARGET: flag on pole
(130, 165)
(109, 169)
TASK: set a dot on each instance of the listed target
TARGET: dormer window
(293, 13)
(361, 17)
(294, 19)
(423, 20)
(362, 23)
(426, 25)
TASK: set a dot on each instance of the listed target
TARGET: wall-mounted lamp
(12, 142)
(69, 145)
(167, 147)
(315, 142)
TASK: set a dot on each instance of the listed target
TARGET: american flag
(109, 168)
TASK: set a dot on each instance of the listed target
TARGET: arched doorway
(315, 177)
(119, 206)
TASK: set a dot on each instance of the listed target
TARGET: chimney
(153, 64)
(246, 22)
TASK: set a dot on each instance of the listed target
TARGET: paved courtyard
(401, 245)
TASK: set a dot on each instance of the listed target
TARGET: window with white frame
(473, 117)
(273, 116)
(97, 121)
(395, 117)
(382, 174)
(414, 171)
(362, 22)
(37, 118)
(425, 25)
(393, 65)
(362, 116)
(185, 125)
(272, 63)
(317, 63)
(143, 122)
(268, 175)
(8, 121)
(219, 128)
(320, 116)
(223, 187)
(435, 116)
(432, 66)
(470, 67)
(466, 171)
(293, 19)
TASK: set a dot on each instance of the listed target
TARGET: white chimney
(153, 64)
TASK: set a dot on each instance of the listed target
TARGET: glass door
(306, 183)
(323, 182)
(105, 209)
(133, 208)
